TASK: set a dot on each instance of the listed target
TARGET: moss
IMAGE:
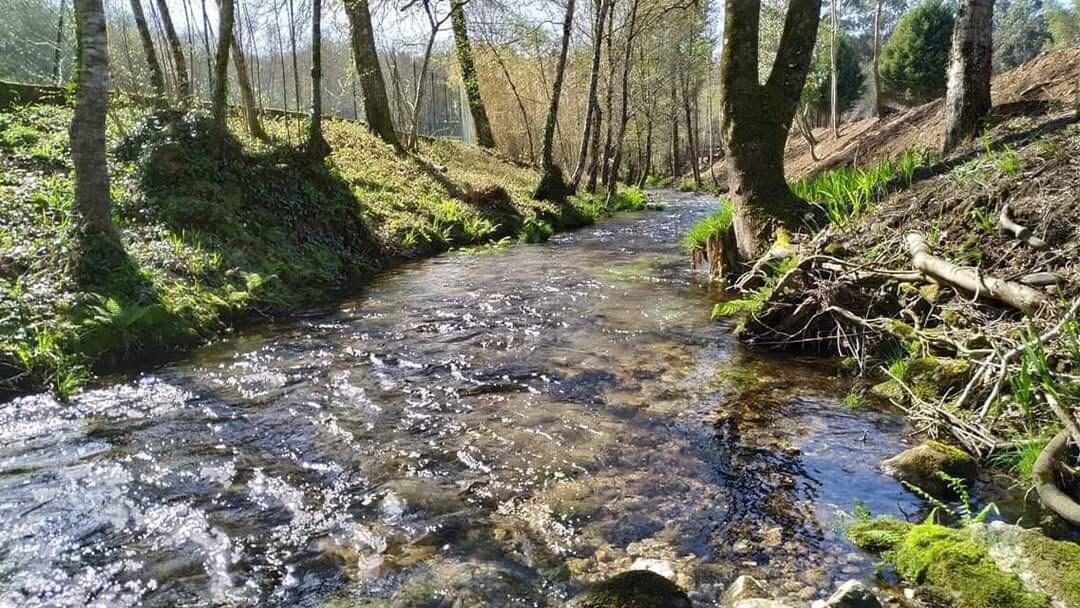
(890, 390)
(878, 535)
(1058, 565)
(948, 560)
(934, 376)
(633, 589)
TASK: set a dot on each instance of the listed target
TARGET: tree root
(1044, 472)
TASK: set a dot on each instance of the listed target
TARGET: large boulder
(1043, 565)
(633, 589)
(920, 465)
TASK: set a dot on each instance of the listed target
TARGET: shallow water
(492, 428)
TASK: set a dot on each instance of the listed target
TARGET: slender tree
(834, 72)
(156, 79)
(551, 183)
(757, 118)
(372, 85)
(481, 124)
(183, 83)
(592, 106)
(247, 93)
(221, 67)
(317, 145)
(88, 152)
(57, 55)
(967, 98)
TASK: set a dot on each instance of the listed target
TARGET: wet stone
(633, 589)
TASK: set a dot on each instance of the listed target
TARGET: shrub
(913, 59)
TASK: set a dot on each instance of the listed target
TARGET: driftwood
(1018, 296)
(1046, 484)
(1021, 233)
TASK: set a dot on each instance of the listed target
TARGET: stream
(488, 428)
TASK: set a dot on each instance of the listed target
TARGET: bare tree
(435, 24)
(56, 72)
(183, 83)
(481, 124)
(967, 100)
(757, 118)
(376, 105)
(247, 93)
(88, 152)
(875, 72)
(592, 106)
(834, 72)
(551, 183)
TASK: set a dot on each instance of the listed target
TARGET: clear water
(493, 428)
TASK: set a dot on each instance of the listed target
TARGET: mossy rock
(1042, 564)
(889, 390)
(952, 565)
(934, 376)
(633, 589)
(920, 465)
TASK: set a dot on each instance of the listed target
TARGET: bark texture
(592, 105)
(481, 124)
(372, 85)
(551, 180)
(88, 122)
(156, 79)
(757, 118)
(967, 101)
(183, 83)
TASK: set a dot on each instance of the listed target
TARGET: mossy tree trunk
(317, 146)
(372, 85)
(481, 124)
(757, 118)
(88, 153)
(157, 81)
(219, 109)
(183, 83)
(551, 183)
(967, 100)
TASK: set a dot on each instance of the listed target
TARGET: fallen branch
(1046, 485)
(1016, 295)
(1021, 233)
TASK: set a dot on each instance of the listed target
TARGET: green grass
(712, 226)
(845, 194)
(208, 240)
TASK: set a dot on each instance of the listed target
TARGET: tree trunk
(834, 88)
(295, 63)
(88, 153)
(609, 106)
(756, 118)
(875, 72)
(372, 86)
(418, 99)
(57, 55)
(219, 109)
(525, 123)
(156, 79)
(247, 94)
(592, 106)
(183, 83)
(551, 181)
(484, 136)
(594, 150)
(967, 101)
(646, 166)
(317, 146)
(676, 163)
(624, 118)
(691, 133)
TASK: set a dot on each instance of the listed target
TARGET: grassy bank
(211, 240)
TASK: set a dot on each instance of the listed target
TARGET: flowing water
(493, 428)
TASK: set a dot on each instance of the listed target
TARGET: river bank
(215, 243)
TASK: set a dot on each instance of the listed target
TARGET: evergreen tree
(913, 59)
(1020, 35)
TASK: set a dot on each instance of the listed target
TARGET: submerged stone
(633, 589)
(920, 465)
(745, 587)
(852, 594)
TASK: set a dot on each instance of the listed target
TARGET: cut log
(1021, 233)
(1018, 296)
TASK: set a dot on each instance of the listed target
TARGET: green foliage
(1064, 24)
(846, 193)
(1020, 460)
(712, 226)
(851, 82)
(755, 300)
(1020, 33)
(535, 231)
(962, 511)
(855, 398)
(876, 535)
(913, 59)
